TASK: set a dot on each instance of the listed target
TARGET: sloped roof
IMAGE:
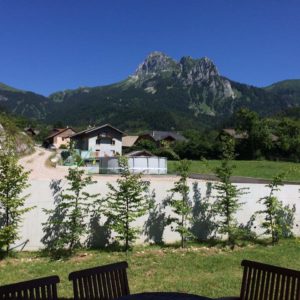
(129, 140)
(233, 133)
(244, 135)
(161, 135)
(140, 153)
(58, 131)
(89, 130)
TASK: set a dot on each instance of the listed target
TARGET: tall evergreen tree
(72, 209)
(126, 202)
(227, 200)
(182, 206)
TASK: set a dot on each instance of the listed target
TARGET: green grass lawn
(258, 169)
(205, 271)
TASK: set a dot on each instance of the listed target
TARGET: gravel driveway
(36, 163)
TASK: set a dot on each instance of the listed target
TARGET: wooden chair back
(37, 289)
(102, 283)
(266, 282)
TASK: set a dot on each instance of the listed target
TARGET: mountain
(22, 102)
(161, 94)
(288, 89)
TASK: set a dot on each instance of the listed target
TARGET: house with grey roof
(100, 141)
(163, 136)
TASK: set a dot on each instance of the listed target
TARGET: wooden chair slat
(262, 286)
(31, 290)
(257, 284)
(86, 287)
(81, 288)
(298, 289)
(119, 283)
(95, 286)
(277, 284)
(125, 285)
(107, 285)
(115, 284)
(43, 292)
(100, 286)
(282, 287)
(246, 291)
(105, 282)
(266, 282)
(288, 294)
(104, 285)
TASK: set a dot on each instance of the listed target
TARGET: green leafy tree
(278, 219)
(145, 145)
(13, 181)
(126, 202)
(259, 138)
(227, 200)
(182, 206)
(199, 144)
(288, 132)
(72, 209)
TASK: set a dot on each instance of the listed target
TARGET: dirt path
(36, 163)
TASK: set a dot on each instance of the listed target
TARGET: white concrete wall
(105, 149)
(137, 164)
(41, 197)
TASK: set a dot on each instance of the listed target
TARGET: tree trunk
(74, 223)
(127, 228)
(7, 224)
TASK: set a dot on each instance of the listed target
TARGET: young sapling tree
(181, 204)
(126, 202)
(227, 200)
(278, 219)
(74, 206)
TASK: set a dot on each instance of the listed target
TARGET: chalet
(101, 141)
(59, 137)
(129, 141)
(162, 136)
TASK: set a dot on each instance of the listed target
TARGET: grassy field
(257, 169)
(205, 271)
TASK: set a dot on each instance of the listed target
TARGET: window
(113, 142)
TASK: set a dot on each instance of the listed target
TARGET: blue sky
(51, 45)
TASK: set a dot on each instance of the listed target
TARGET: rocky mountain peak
(155, 63)
(188, 72)
(197, 70)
